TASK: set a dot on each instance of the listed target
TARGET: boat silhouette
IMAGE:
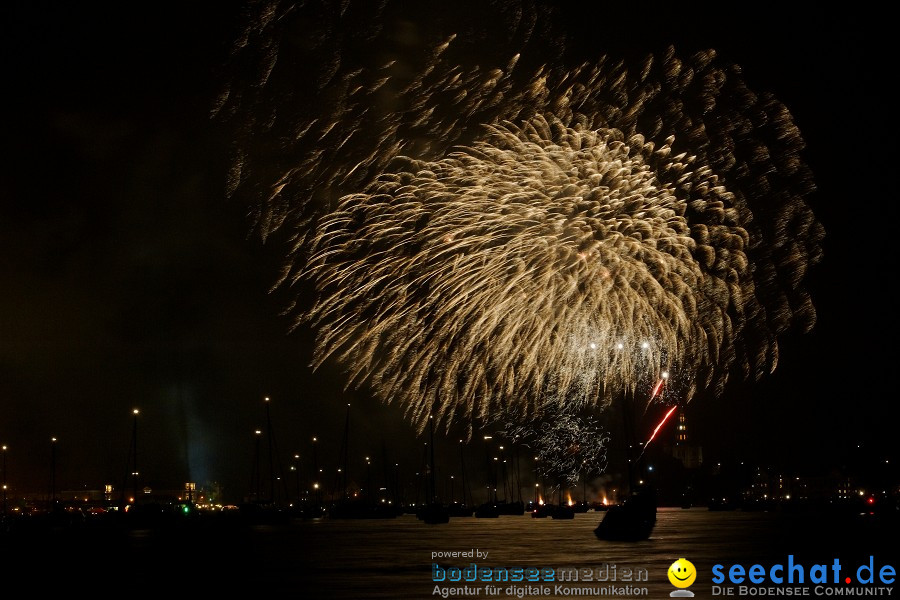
(459, 509)
(635, 518)
(361, 509)
(433, 512)
(632, 520)
(488, 510)
(364, 506)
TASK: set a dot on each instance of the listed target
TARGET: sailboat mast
(346, 453)
(462, 468)
(271, 498)
(431, 490)
(628, 421)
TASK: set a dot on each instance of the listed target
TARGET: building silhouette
(690, 455)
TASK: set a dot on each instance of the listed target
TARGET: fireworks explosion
(512, 239)
(566, 446)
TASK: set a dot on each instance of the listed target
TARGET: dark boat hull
(632, 521)
(434, 514)
(487, 511)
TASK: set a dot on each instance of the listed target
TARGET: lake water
(392, 558)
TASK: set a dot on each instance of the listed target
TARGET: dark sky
(128, 280)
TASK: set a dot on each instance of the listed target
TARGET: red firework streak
(655, 431)
(661, 423)
(653, 394)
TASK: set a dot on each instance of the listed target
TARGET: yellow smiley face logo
(682, 573)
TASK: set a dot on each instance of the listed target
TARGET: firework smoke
(488, 240)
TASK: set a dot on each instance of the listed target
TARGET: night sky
(129, 280)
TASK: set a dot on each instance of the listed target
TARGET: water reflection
(392, 558)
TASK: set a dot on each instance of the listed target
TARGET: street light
(296, 468)
(492, 483)
(256, 468)
(5, 448)
(134, 469)
(368, 494)
(52, 472)
(316, 470)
